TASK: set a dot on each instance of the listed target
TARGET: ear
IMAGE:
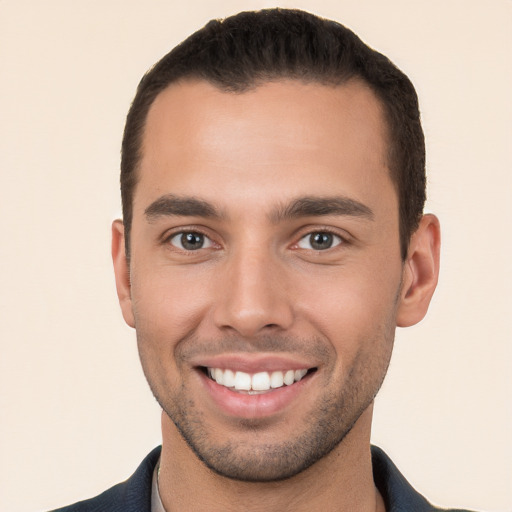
(122, 272)
(420, 273)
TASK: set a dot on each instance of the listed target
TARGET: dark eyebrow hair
(171, 204)
(318, 206)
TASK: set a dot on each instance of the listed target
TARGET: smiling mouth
(256, 383)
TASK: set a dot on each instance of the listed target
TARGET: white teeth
(276, 380)
(218, 375)
(242, 381)
(229, 379)
(299, 374)
(289, 377)
(261, 381)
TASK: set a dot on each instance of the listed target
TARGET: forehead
(284, 135)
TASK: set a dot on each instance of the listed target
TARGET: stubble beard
(327, 425)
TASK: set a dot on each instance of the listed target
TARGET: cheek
(168, 295)
(165, 312)
(353, 305)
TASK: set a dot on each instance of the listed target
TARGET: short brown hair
(250, 48)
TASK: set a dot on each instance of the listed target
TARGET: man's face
(264, 254)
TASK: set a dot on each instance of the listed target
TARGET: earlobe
(122, 272)
(421, 272)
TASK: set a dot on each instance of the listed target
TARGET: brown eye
(190, 241)
(319, 241)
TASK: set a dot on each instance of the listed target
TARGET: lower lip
(245, 406)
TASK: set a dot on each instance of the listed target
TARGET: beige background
(75, 412)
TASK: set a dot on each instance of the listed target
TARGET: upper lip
(253, 363)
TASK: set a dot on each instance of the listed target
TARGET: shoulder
(133, 495)
(397, 492)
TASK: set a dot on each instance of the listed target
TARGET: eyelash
(342, 240)
(167, 239)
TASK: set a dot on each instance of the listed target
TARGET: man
(273, 186)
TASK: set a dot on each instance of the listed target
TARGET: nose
(252, 295)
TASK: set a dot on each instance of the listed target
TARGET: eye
(190, 241)
(319, 241)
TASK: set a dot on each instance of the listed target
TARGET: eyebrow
(311, 206)
(172, 205)
(307, 206)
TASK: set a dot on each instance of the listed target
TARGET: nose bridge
(253, 293)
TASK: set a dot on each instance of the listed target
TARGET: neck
(341, 481)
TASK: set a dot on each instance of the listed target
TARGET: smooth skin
(265, 235)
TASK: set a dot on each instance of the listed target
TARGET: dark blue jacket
(134, 495)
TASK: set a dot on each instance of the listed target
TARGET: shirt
(140, 492)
